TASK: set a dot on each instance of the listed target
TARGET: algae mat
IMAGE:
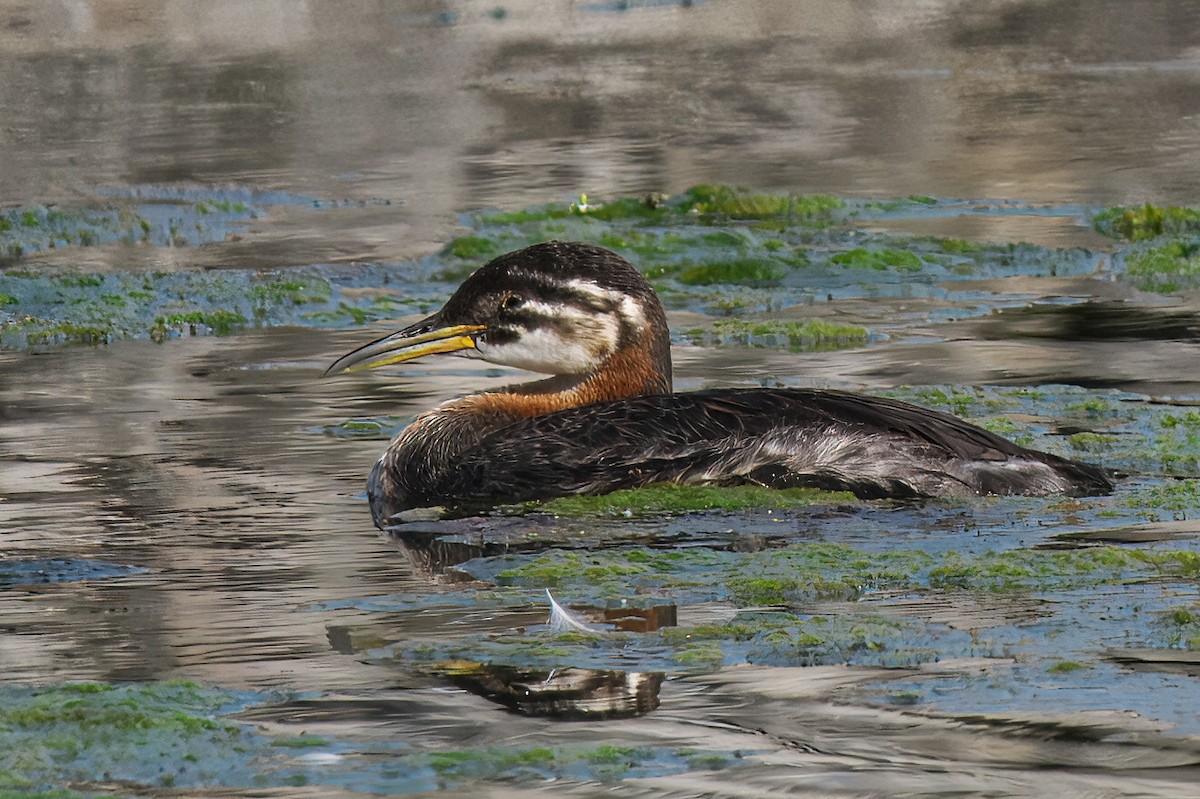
(194, 600)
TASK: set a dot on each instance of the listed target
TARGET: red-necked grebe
(607, 418)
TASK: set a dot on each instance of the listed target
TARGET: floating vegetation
(759, 576)
(95, 308)
(882, 259)
(156, 216)
(801, 572)
(1169, 499)
(790, 248)
(671, 498)
(1140, 222)
(790, 639)
(218, 321)
(176, 735)
(1041, 570)
(155, 734)
(45, 307)
(606, 761)
(1166, 269)
(758, 635)
(733, 203)
(474, 247)
(798, 336)
(743, 271)
(1091, 442)
(30, 229)
(1180, 627)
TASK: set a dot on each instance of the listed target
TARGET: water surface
(191, 507)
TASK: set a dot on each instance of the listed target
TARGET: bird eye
(509, 302)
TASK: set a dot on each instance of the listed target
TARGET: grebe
(607, 418)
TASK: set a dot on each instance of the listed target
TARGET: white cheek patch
(541, 351)
(570, 342)
(564, 339)
(631, 312)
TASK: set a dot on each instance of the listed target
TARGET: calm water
(225, 528)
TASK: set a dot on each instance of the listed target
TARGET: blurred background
(446, 106)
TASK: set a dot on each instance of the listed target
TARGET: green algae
(801, 572)
(51, 307)
(1173, 499)
(1165, 269)
(1189, 419)
(1027, 570)
(1179, 627)
(711, 235)
(73, 732)
(734, 203)
(1091, 442)
(560, 568)
(32, 229)
(42, 331)
(1147, 221)
(1067, 667)
(899, 203)
(798, 336)
(1091, 406)
(957, 246)
(478, 762)
(742, 271)
(144, 216)
(472, 246)
(878, 259)
(825, 571)
(644, 245)
(204, 208)
(604, 762)
(282, 288)
(219, 322)
(650, 208)
(101, 307)
(959, 401)
(671, 498)
(665, 234)
(756, 634)
(525, 216)
(728, 302)
(841, 638)
(300, 742)
(792, 639)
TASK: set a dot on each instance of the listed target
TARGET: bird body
(608, 419)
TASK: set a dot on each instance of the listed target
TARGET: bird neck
(425, 449)
(630, 372)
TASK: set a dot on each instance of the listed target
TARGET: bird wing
(719, 436)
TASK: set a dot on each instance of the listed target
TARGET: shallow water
(181, 505)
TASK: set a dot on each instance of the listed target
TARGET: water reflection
(570, 693)
(452, 112)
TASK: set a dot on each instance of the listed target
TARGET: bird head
(557, 308)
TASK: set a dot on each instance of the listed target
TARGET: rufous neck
(631, 372)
